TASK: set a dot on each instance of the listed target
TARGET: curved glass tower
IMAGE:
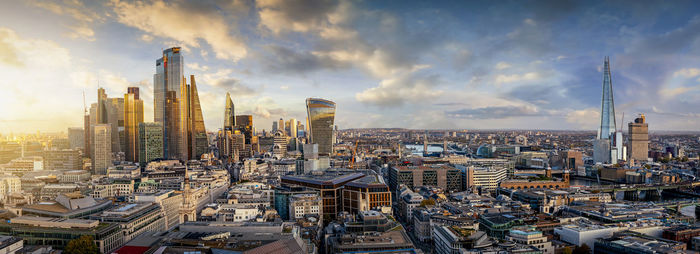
(321, 113)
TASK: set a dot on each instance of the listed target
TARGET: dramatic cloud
(397, 91)
(184, 23)
(235, 87)
(77, 10)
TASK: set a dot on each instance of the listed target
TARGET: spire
(229, 114)
(607, 116)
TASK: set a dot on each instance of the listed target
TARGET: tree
(83, 245)
(566, 250)
(583, 249)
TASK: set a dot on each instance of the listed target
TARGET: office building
(320, 117)
(628, 242)
(177, 108)
(367, 193)
(150, 142)
(529, 236)
(63, 160)
(76, 138)
(229, 114)
(329, 184)
(134, 219)
(484, 178)
(133, 116)
(301, 205)
(454, 239)
(58, 232)
(279, 148)
(639, 139)
(443, 176)
(195, 142)
(293, 124)
(167, 95)
(102, 141)
(244, 123)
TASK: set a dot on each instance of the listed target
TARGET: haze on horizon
(432, 65)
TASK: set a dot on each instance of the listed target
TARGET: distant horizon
(476, 65)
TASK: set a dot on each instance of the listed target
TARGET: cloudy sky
(486, 65)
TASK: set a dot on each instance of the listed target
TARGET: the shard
(607, 147)
(607, 113)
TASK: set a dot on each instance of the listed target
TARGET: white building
(486, 178)
(529, 236)
(304, 204)
(584, 233)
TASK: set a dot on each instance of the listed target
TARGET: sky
(422, 64)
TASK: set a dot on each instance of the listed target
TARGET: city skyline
(421, 67)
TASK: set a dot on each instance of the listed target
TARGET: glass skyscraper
(167, 95)
(607, 114)
(321, 114)
(133, 115)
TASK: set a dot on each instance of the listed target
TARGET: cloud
(397, 91)
(197, 67)
(185, 23)
(687, 73)
(502, 65)
(236, 88)
(495, 112)
(505, 79)
(286, 60)
(76, 9)
(294, 15)
(586, 119)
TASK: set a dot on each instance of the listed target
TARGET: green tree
(583, 249)
(567, 250)
(83, 245)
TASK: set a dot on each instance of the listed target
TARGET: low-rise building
(134, 219)
(301, 205)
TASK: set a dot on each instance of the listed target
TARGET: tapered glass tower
(229, 114)
(321, 114)
(607, 113)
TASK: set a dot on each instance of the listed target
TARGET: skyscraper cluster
(177, 109)
(608, 146)
(115, 126)
(236, 139)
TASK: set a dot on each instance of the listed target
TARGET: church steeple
(188, 211)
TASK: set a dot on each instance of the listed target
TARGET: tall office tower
(605, 147)
(115, 117)
(76, 138)
(320, 115)
(244, 123)
(280, 125)
(87, 135)
(274, 127)
(101, 106)
(639, 139)
(293, 128)
(133, 116)
(102, 158)
(229, 114)
(150, 142)
(167, 95)
(194, 140)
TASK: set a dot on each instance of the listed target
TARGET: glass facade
(133, 115)
(150, 142)
(321, 114)
(166, 81)
(607, 114)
